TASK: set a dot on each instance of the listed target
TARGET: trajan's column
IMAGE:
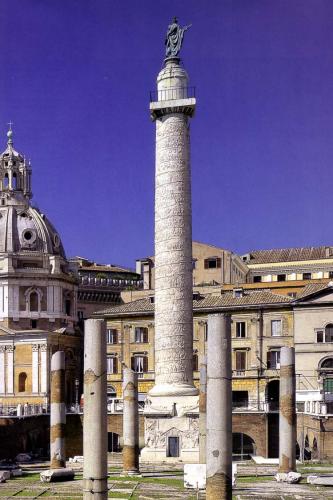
(171, 414)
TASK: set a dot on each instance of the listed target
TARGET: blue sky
(75, 80)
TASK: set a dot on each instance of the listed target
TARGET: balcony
(172, 94)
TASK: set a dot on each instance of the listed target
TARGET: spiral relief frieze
(173, 253)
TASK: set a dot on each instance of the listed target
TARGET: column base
(171, 429)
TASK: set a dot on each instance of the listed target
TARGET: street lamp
(77, 383)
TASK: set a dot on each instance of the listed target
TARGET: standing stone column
(202, 408)
(287, 420)
(173, 235)
(130, 422)
(219, 409)
(95, 412)
(58, 411)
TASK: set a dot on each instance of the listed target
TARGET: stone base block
(4, 475)
(195, 476)
(16, 472)
(149, 455)
(320, 480)
(53, 475)
(288, 477)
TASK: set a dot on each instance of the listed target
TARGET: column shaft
(219, 409)
(95, 412)
(287, 418)
(173, 253)
(130, 422)
(58, 411)
(202, 409)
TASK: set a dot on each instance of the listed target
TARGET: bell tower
(15, 174)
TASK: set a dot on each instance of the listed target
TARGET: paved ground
(158, 483)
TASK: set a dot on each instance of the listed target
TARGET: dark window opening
(34, 301)
(306, 276)
(33, 323)
(139, 364)
(173, 446)
(281, 277)
(5, 181)
(195, 363)
(273, 360)
(212, 263)
(68, 307)
(22, 382)
(14, 181)
(256, 279)
(242, 446)
(329, 333)
(240, 329)
(320, 336)
(240, 360)
(141, 334)
(240, 399)
(112, 336)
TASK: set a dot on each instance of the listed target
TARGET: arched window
(14, 181)
(34, 302)
(329, 333)
(327, 364)
(5, 181)
(22, 382)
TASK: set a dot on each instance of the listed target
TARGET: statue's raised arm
(174, 38)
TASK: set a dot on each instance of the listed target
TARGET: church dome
(27, 230)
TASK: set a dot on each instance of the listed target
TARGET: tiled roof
(226, 300)
(290, 254)
(312, 288)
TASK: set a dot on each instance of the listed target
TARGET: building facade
(38, 294)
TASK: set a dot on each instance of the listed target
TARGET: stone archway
(243, 446)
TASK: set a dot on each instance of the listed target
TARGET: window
(195, 362)
(22, 382)
(325, 335)
(273, 360)
(112, 336)
(111, 364)
(329, 333)
(292, 294)
(33, 323)
(240, 399)
(141, 334)
(33, 303)
(306, 276)
(276, 329)
(139, 364)
(281, 277)
(240, 360)
(256, 279)
(330, 274)
(206, 331)
(194, 263)
(212, 263)
(240, 329)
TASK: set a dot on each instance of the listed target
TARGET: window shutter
(132, 363)
(218, 262)
(115, 365)
(115, 336)
(145, 335)
(145, 364)
(206, 264)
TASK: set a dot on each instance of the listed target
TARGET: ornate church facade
(38, 294)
